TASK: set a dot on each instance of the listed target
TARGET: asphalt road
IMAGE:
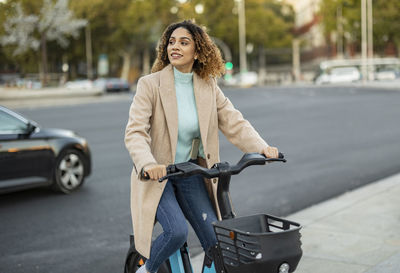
(335, 139)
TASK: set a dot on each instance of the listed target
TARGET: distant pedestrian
(175, 117)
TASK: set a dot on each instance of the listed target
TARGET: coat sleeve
(137, 132)
(237, 130)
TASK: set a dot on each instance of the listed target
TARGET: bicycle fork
(180, 262)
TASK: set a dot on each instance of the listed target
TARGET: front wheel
(134, 261)
(69, 171)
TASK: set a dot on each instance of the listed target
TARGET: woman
(174, 117)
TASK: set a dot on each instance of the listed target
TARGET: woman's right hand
(155, 172)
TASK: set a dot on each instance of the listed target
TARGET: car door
(23, 159)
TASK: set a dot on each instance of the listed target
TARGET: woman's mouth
(175, 55)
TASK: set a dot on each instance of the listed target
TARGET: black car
(111, 84)
(31, 156)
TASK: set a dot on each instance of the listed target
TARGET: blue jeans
(183, 198)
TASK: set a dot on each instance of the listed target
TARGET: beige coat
(152, 133)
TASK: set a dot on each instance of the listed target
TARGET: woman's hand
(270, 152)
(155, 172)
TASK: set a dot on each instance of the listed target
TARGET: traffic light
(229, 66)
(228, 71)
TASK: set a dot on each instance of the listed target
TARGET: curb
(18, 94)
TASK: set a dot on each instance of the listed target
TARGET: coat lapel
(203, 97)
(168, 99)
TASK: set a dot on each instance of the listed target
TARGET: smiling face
(181, 50)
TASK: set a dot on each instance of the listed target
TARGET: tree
(54, 22)
(268, 23)
(386, 15)
(20, 30)
(386, 23)
(126, 30)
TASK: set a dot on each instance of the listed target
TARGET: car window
(10, 124)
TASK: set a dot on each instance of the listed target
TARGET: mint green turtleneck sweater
(188, 121)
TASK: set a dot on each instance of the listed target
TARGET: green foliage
(269, 24)
(386, 20)
(131, 26)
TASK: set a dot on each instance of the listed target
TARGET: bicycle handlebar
(186, 169)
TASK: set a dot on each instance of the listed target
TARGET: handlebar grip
(281, 155)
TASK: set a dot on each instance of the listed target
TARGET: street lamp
(339, 22)
(364, 39)
(242, 36)
(370, 40)
(367, 50)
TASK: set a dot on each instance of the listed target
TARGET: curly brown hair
(209, 62)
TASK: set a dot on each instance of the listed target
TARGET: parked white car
(245, 79)
(387, 74)
(79, 84)
(340, 75)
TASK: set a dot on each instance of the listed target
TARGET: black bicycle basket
(258, 243)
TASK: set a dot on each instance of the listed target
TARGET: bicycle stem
(224, 198)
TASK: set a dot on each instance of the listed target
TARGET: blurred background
(50, 43)
(319, 79)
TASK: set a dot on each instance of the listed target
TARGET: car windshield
(10, 124)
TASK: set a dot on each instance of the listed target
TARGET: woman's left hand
(270, 152)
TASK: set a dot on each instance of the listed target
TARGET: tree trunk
(43, 46)
(398, 49)
(126, 66)
(41, 73)
(262, 71)
(89, 57)
(296, 59)
(146, 61)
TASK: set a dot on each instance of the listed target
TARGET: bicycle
(249, 244)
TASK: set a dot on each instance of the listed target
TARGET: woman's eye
(184, 43)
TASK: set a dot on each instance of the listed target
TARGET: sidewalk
(357, 232)
(50, 92)
(15, 98)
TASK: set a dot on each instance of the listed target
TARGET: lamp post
(242, 36)
(339, 23)
(364, 39)
(370, 41)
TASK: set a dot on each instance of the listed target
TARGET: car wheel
(69, 172)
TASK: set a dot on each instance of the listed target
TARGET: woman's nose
(175, 46)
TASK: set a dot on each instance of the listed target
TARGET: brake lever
(275, 160)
